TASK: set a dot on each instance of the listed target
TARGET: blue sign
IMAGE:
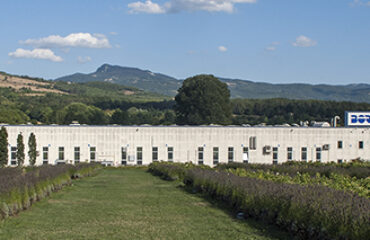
(358, 119)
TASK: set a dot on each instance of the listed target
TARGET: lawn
(130, 204)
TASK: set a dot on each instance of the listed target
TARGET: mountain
(163, 84)
(134, 77)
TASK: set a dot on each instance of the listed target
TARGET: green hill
(163, 84)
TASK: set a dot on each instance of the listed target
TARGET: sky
(276, 41)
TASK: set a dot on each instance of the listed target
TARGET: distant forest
(100, 103)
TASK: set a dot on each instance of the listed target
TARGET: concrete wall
(185, 141)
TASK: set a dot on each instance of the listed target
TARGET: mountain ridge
(239, 88)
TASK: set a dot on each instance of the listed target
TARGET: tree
(203, 99)
(4, 155)
(32, 154)
(20, 150)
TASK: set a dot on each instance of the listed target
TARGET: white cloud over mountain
(83, 40)
(37, 53)
(174, 6)
(303, 41)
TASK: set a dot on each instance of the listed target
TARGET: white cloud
(146, 7)
(85, 40)
(173, 6)
(83, 60)
(37, 53)
(360, 3)
(272, 46)
(303, 41)
(222, 49)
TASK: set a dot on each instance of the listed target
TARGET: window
(170, 154)
(361, 145)
(200, 155)
(245, 155)
(318, 154)
(155, 153)
(253, 143)
(304, 154)
(340, 144)
(290, 153)
(13, 155)
(139, 155)
(274, 155)
(45, 155)
(230, 155)
(92, 154)
(61, 153)
(77, 154)
(340, 160)
(123, 155)
(215, 155)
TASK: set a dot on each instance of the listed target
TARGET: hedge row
(358, 170)
(172, 171)
(310, 212)
(19, 188)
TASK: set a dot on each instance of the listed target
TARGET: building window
(230, 155)
(361, 144)
(253, 143)
(92, 154)
(215, 155)
(77, 154)
(200, 155)
(13, 155)
(123, 155)
(304, 154)
(290, 153)
(245, 154)
(155, 153)
(318, 154)
(45, 155)
(139, 155)
(340, 161)
(274, 155)
(61, 153)
(170, 154)
(340, 144)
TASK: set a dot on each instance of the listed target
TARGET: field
(131, 204)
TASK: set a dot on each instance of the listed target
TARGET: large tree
(3, 147)
(20, 150)
(203, 99)
(32, 153)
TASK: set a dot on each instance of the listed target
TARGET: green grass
(130, 204)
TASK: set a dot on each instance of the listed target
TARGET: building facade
(210, 145)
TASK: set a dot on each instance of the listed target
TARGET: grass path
(129, 204)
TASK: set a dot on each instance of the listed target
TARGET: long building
(210, 145)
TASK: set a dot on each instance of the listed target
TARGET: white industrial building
(135, 145)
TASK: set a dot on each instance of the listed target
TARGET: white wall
(108, 141)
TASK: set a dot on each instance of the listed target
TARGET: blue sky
(277, 41)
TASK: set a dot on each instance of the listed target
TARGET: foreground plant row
(20, 188)
(309, 211)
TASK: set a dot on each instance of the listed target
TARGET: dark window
(170, 153)
(77, 154)
(123, 155)
(155, 153)
(340, 144)
(304, 154)
(200, 155)
(252, 143)
(318, 154)
(13, 155)
(215, 155)
(361, 145)
(61, 153)
(139, 155)
(340, 160)
(290, 153)
(45, 155)
(230, 155)
(92, 154)
(275, 155)
(245, 154)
